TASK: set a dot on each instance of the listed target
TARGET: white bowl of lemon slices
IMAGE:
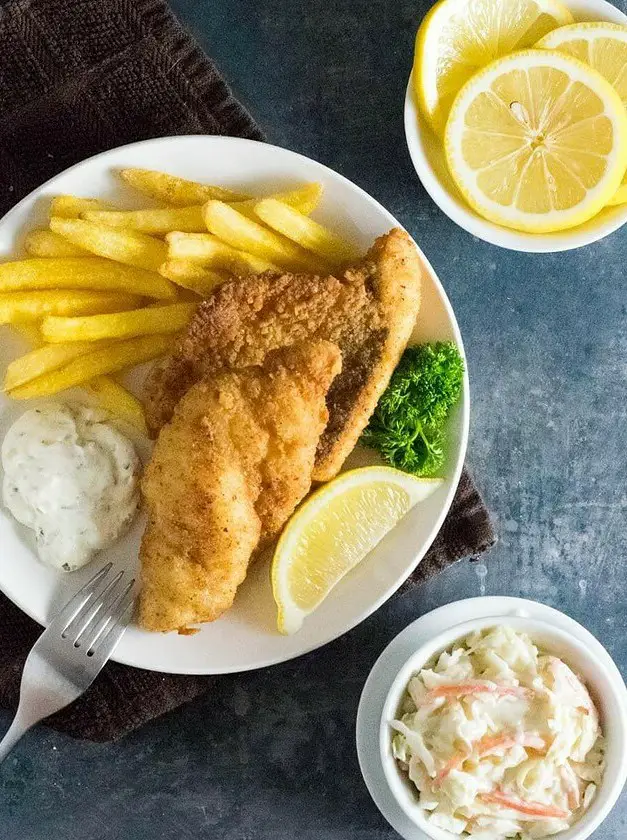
(516, 119)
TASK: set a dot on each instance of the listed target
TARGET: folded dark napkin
(77, 78)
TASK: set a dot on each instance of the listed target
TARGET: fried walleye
(369, 311)
(268, 390)
(226, 473)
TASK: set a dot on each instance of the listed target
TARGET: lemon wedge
(333, 531)
(602, 46)
(459, 37)
(537, 141)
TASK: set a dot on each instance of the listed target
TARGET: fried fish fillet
(369, 312)
(225, 475)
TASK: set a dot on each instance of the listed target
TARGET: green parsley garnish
(408, 425)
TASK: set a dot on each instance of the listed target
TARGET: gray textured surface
(271, 754)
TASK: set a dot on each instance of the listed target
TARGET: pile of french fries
(103, 290)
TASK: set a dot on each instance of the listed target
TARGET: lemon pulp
(603, 46)
(459, 37)
(537, 141)
(335, 543)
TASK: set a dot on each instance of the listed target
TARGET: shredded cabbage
(499, 739)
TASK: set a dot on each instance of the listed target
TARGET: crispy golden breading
(225, 475)
(371, 343)
(369, 312)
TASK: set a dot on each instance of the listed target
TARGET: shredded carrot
(495, 742)
(463, 689)
(489, 743)
(452, 764)
(531, 809)
(572, 788)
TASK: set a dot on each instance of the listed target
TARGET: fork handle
(13, 734)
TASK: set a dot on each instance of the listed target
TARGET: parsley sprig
(408, 425)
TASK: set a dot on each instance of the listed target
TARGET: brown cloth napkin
(78, 77)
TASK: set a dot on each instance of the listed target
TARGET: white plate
(396, 654)
(246, 637)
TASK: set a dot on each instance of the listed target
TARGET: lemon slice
(334, 530)
(537, 141)
(620, 196)
(459, 37)
(602, 46)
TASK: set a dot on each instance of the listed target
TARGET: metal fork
(71, 652)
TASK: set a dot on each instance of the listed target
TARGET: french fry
(104, 390)
(240, 232)
(117, 356)
(71, 206)
(161, 220)
(46, 243)
(192, 275)
(82, 273)
(117, 400)
(25, 307)
(42, 360)
(304, 231)
(304, 199)
(125, 246)
(147, 321)
(173, 190)
(207, 249)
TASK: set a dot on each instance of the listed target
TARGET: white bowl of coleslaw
(506, 727)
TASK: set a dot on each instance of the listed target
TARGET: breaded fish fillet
(369, 312)
(225, 475)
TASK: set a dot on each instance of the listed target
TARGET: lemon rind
(547, 42)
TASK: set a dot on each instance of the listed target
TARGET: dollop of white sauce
(73, 478)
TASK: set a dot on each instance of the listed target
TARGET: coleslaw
(500, 739)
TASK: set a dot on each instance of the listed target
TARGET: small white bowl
(429, 162)
(589, 660)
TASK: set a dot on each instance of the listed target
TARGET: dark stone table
(271, 754)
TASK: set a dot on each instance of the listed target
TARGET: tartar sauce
(71, 477)
(500, 739)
